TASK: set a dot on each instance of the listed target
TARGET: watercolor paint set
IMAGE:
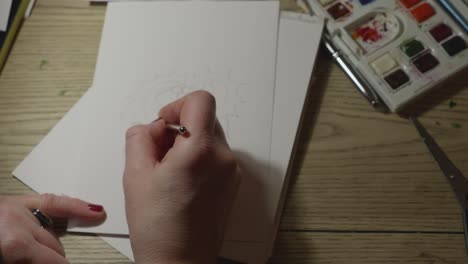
(396, 49)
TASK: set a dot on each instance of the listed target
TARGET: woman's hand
(179, 189)
(23, 240)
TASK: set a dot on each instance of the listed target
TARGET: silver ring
(43, 219)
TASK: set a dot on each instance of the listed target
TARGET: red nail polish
(96, 208)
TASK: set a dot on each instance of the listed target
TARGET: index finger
(196, 111)
(63, 206)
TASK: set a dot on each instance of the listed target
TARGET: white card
(5, 7)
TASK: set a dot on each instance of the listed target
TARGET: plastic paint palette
(402, 47)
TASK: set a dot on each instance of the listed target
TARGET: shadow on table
(312, 106)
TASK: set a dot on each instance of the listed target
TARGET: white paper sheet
(5, 7)
(298, 42)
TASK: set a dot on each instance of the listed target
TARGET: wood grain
(370, 248)
(364, 188)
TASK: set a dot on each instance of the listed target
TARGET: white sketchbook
(82, 172)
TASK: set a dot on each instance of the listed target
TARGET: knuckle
(49, 201)
(205, 96)
(135, 131)
(204, 148)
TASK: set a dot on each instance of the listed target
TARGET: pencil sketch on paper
(144, 101)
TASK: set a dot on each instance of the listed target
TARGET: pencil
(178, 128)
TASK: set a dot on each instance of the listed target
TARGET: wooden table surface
(364, 187)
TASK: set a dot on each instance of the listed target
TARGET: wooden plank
(88, 249)
(317, 248)
(371, 248)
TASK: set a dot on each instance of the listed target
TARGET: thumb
(64, 207)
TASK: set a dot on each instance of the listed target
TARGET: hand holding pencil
(179, 188)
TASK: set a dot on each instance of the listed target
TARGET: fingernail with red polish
(96, 208)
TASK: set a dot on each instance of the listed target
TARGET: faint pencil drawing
(142, 104)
